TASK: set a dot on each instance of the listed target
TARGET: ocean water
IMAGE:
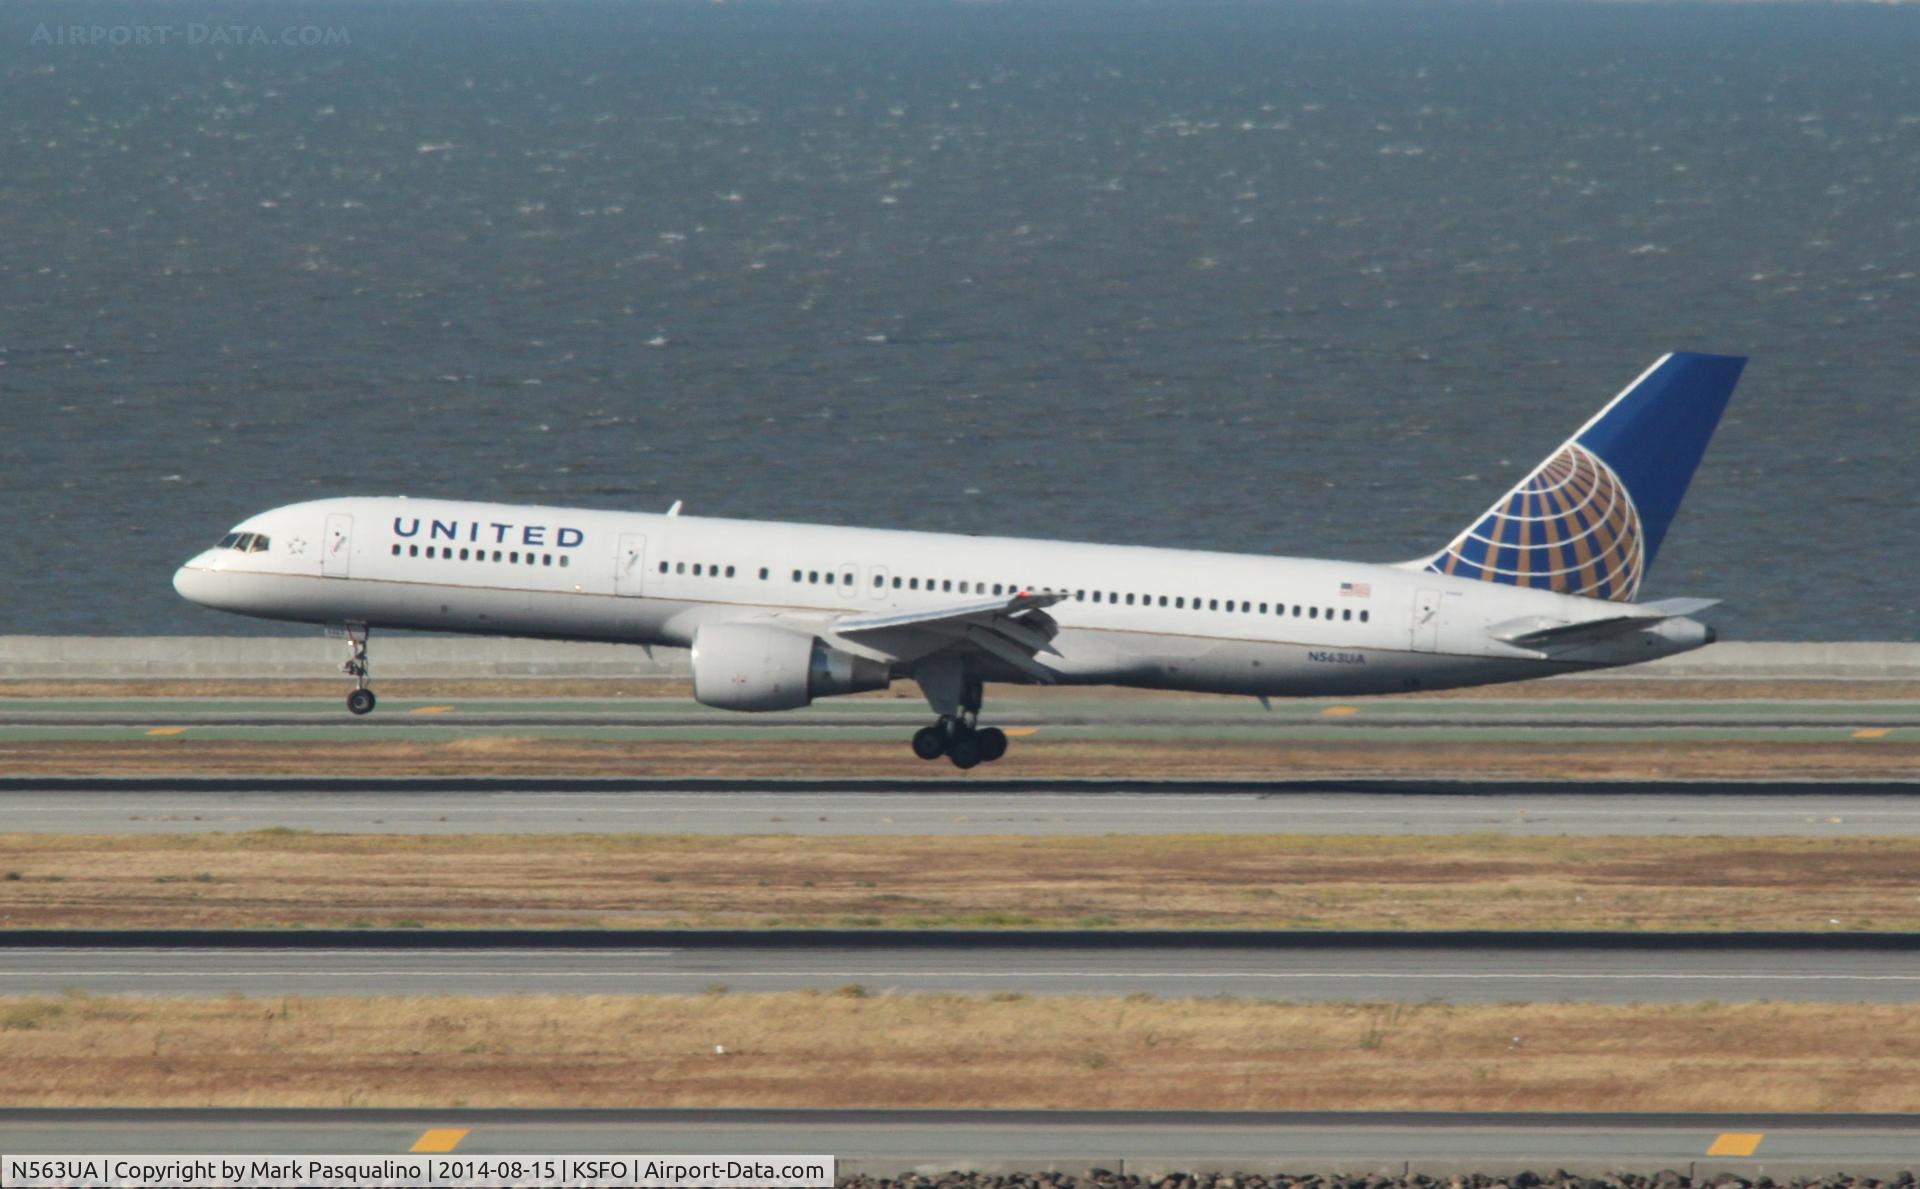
(1320, 279)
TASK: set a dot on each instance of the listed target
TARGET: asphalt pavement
(1413, 973)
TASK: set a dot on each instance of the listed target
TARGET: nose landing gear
(362, 699)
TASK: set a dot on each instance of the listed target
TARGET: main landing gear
(965, 745)
(958, 735)
(362, 699)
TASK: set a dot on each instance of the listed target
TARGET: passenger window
(996, 588)
(1213, 604)
(513, 557)
(1079, 596)
(663, 566)
(546, 559)
(896, 584)
(1313, 612)
(696, 569)
(396, 551)
(1180, 603)
(430, 551)
(1129, 599)
(729, 571)
(1229, 604)
(963, 587)
(1296, 610)
(1263, 608)
(1096, 596)
(413, 551)
(1347, 614)
(813, 576)
(496, 555)
(1363, 617)
(564, 559)
(913, 584)
(947, 585)
(763, 573)
(679, 567)
(531, 558)
(796, 575)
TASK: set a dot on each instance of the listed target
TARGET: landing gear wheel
(964, 748)
(993, 743)
(930, 743)
(361, 701)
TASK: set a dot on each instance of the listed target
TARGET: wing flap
(1013, 629)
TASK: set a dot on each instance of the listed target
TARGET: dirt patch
(855, 1049)
(280, 878)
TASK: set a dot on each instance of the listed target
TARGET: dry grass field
(277, 878)
(853, 1049)
(1035, 757)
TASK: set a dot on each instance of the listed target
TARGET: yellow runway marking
(166, 731)
(1871, 733)
(430, 710)
(440, 1139)
(1022, 732)
(1736, 1143)
(1340, 711)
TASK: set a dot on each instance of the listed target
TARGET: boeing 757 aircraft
(777, 614)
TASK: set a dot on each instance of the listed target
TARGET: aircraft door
(336, 547)
(877, 583)
(630, 565)
(1426, 621)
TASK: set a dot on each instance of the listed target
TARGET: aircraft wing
(1538, 632)
(1015, 629)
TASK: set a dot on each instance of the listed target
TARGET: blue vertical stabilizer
(1590, 519)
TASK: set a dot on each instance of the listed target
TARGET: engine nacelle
(756, 666)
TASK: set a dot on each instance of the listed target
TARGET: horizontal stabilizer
(1538, 631)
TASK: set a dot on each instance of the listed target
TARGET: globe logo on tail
(1569, 527)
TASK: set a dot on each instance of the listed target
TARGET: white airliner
(779, 614)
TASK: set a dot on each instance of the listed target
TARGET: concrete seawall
(243, 657)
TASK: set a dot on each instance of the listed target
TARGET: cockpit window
(259, 545)
(228, 541)
(244, 543)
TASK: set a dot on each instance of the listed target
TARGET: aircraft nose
(191, 582)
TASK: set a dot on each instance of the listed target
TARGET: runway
(1139, 1143)
(951, 807)
(1413, 973)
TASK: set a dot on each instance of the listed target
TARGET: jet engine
(755, 666)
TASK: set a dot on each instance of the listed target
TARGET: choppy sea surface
(1316, 278)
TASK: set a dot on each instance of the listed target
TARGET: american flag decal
(1357, 590)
